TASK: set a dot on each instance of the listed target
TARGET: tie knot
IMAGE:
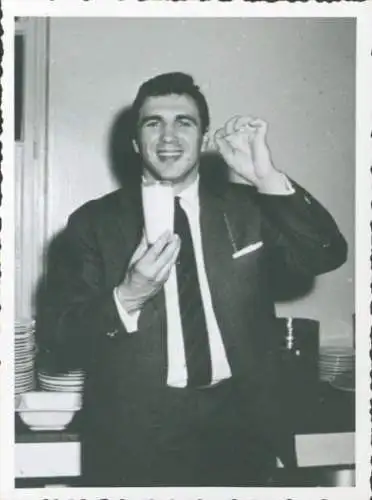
(180, 217)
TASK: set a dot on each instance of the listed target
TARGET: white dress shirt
(177, 369)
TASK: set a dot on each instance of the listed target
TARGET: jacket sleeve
(301, 235)
(74, 307)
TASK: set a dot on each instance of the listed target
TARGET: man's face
(169, 138)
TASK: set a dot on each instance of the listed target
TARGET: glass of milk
(158, 208)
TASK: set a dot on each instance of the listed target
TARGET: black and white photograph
(185, 309)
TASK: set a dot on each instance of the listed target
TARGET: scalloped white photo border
(362, 11)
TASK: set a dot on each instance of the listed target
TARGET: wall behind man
(298, 74)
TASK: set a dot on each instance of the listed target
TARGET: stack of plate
(344, 381)
(335, 360)
(24, 355)
(72, 381)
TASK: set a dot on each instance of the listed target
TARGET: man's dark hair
(171, 83)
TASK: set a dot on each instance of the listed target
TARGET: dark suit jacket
(126, 373)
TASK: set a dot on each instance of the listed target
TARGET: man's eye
(151, 123)
(185, 123)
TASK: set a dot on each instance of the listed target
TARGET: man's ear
(135, 146)
(205, 142)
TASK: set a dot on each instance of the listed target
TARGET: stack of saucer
(24, 355)
(335, 360)
(72, 381)
(344, 381)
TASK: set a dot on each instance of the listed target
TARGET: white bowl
(42, 420)
(48, 410)
(48, 400)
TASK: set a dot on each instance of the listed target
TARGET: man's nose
(168, 132)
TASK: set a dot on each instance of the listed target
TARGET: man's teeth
(173, 152)
(169, 154)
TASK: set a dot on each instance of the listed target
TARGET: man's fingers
(244, 123)
(219, 134)
(230, 125)
(150, 267)
(260, 126)
(164, 272)
(223, 145)
(156, 249)
(169, 253)
(140, 250)
(249, 123)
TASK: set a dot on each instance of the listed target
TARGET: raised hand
(242, 143)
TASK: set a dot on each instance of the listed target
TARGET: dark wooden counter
(330, 411)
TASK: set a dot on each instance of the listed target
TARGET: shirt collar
(190, 195)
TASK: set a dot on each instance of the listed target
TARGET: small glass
(158, 208)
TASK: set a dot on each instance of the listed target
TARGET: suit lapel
(228, 221)
(131, 216)
(217, 250)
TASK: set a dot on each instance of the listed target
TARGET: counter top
(332, 411)
(329, 411)
(324, 425)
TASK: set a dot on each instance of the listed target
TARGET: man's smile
(169, 154)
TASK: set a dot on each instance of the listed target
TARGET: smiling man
(178, 338)
(170, 137)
